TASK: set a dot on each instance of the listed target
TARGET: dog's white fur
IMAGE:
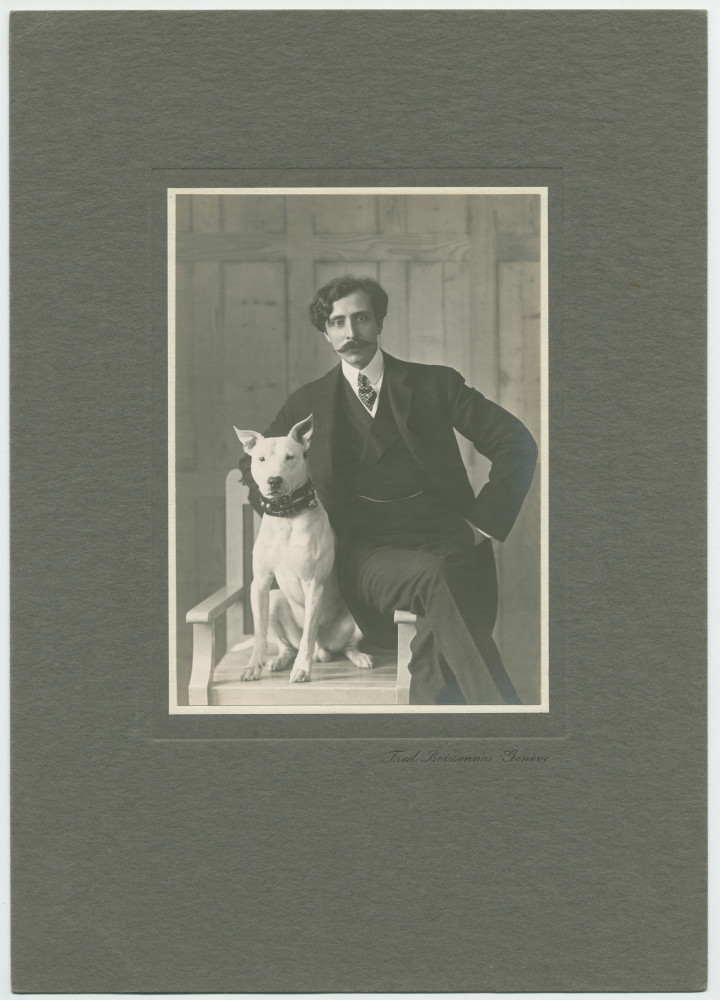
(306, 617)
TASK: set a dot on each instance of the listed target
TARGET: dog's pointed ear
(302, 432)
(249, 439)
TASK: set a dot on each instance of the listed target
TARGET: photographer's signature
(511, 755)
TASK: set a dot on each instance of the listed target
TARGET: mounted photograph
(358, 450)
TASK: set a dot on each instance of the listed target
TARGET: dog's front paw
(361, 660)
(251, 672)
(300, 673)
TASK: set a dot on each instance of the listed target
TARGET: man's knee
(387, 580)
(451, 572)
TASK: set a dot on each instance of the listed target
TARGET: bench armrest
(212, 607)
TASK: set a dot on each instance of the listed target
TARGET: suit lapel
(399, 392)
(402, 401)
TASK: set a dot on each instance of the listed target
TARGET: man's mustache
(353, 343)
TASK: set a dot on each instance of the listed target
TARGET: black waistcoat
(370, 455)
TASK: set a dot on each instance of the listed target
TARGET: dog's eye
(261, 458)
(290, 458)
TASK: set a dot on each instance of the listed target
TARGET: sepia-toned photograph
(358, 454)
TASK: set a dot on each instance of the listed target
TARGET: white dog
(306, 617)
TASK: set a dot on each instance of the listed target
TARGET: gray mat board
(313, 865)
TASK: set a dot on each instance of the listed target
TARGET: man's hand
(480, 536)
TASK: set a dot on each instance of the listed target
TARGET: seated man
(411, 533)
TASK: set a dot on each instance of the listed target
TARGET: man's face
(352, 330)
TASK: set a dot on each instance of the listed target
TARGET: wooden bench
(216, 681)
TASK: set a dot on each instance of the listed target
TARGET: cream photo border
(544, 705)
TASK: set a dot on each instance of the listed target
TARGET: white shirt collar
(374, 370)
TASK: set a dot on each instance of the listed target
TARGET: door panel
(347, 214)
(254, 371)
(395, 339)
(253, 215)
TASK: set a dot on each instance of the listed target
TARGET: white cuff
(478, 531)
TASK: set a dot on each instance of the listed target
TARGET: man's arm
(508, 444)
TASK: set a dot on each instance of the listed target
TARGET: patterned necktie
(365, 391)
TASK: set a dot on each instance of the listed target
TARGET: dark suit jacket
(428, 402)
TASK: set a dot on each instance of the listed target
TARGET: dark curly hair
(322, 305)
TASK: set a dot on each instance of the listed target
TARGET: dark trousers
(435, 573)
